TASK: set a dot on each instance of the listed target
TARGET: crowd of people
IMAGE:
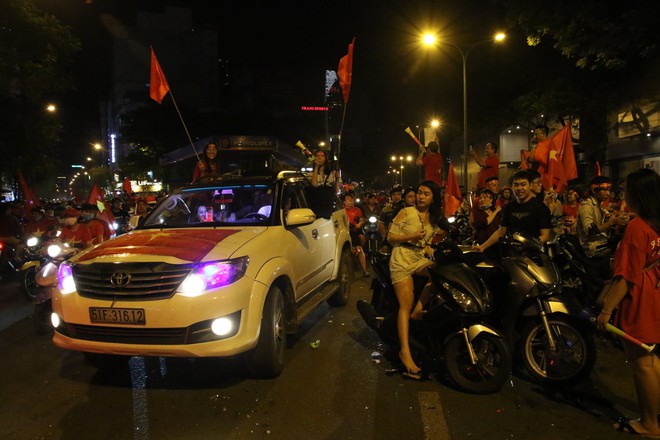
(77, 224)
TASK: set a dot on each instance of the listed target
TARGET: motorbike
(46, 282)
(460, 230)
(476, 355)
(370, 231)
(34, 257)
(582, 277)
(550, 331)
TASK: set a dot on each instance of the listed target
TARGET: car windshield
(214, 206)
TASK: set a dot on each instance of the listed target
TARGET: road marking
(433, 418)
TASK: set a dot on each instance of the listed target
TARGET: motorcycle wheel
(29, 282)
(41, 317)
(573, 360)
(493, 367)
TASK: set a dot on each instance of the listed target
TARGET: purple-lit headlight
(212, 275)
(65, 281)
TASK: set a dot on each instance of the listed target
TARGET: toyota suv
(216, 269)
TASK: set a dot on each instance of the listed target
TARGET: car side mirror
(300, 217)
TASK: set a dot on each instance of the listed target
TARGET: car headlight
(65, 281)
(212, 275)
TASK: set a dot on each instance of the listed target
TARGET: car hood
(174, 246)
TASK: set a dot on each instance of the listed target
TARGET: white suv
(221, 268)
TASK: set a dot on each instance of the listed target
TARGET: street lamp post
(430, 40)
(400, 158)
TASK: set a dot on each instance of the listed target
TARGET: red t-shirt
(78, 238)
(571, 211)
(95, 230)
(433, 167)
(639, 311)
(354, 214)
(492, 169)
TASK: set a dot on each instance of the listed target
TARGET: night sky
(396, 82)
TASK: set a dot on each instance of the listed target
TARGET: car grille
(137, 281)
(151, 336)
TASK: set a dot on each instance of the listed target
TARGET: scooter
(582, 277)
(476, 355)
(46, 281)
(550, 332)
(35, 257)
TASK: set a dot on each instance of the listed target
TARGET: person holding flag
(208, 165)
(432, 161)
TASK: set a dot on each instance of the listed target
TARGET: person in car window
(323, 174)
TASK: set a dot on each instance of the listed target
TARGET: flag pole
(158, 88)
(192, 145)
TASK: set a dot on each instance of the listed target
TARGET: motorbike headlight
(373, 219)
(65, 281)
(32, 241)
(467, 303)
(54, 250)
(212, 275)
(451, 219)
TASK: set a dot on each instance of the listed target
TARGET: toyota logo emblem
(120, 279)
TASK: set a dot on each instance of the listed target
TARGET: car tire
(345, 279)
(266, 360)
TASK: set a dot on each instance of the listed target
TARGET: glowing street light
(401, 158)
(51, 108)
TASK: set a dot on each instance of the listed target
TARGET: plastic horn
(617, 331)
(304, 148)
(412, 135)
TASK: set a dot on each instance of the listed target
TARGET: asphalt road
(333, 391)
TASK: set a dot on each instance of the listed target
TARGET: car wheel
(266, 360)
(344, 277)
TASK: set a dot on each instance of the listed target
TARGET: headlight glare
(212, 275)
(65, 281)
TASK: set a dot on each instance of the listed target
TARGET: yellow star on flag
(553, 155)
(100, 205)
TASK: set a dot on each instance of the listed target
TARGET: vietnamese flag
(524, 158)
(96, 197)
(558, 166)
(345, 71)
(158, 86)
(127, 186)
(453, 198)
(30, 197)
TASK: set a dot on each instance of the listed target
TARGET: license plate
(114, 315)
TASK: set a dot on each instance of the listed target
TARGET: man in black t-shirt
(525, 214)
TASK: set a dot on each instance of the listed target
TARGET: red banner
(188, 245)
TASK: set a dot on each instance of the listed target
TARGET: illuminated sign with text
(314, 108)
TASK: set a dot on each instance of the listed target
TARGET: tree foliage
(593, 34)
(36, 52)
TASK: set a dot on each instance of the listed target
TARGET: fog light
(55, 320)
(222, 326)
